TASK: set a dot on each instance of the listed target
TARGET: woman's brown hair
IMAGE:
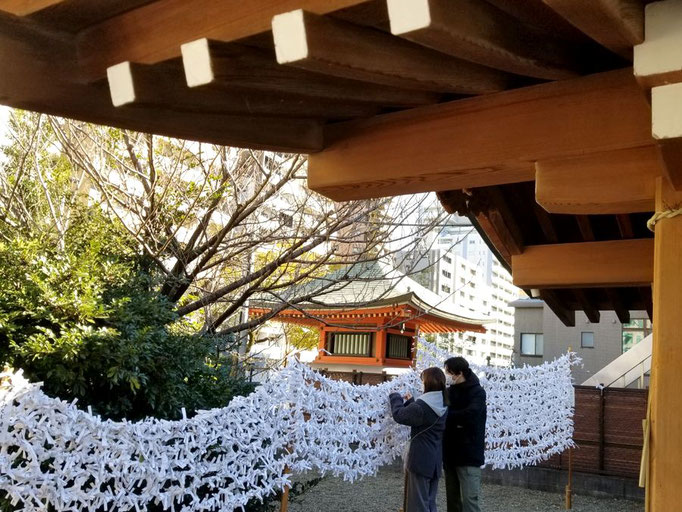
(434, 380)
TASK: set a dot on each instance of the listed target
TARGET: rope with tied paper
(53, 453)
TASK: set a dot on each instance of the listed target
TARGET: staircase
(625, 369)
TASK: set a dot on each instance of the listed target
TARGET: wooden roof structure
(556, 125)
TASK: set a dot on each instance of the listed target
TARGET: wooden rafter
(625, 226)
(26, 7)
(615, 182)
(154, 32)
(566, 315)
(465, 145)
(622, 312)
(479, 32)
(230, 67)
(586, 264)
(163, 85)
(591, 311)
(338, 48)
(585, 227)
(616, 24)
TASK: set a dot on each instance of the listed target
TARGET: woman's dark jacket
(426, 447)
(464, 440)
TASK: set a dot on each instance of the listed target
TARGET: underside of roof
(390, 97)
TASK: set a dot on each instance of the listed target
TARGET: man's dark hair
(457, 365)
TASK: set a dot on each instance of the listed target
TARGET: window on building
(635, 331)
(398, 346)
(359, 344)
(446, 273)
(587, 340)
(447, 259)
(444, 288)
(532, 344)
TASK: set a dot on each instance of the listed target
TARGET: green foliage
(300, 337)
(86, 320)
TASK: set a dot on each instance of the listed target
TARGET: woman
(464, 441)
(426, 415)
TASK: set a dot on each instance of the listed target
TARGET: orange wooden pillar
(665, 441)
(380, 347)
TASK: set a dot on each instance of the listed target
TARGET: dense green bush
(83, 316)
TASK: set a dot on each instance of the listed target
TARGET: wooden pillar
(665, 448)
(380, 345)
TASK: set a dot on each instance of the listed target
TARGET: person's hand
(407, 396)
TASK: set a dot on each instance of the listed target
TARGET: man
(464, 440)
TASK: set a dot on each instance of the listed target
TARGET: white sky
(4, 116)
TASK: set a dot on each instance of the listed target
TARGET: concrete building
(540, 336)
(458, 265)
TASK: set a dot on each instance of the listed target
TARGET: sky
(4, 116)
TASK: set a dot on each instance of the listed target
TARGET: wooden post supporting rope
(569, 490)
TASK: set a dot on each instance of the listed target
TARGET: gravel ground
(383, 493)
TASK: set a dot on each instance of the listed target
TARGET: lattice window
(398, 346)
(357, 344)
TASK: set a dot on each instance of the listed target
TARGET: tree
(218, 225)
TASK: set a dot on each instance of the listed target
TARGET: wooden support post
(665, 443)
(569, 490)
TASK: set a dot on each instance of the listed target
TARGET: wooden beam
(658, 59)
(666, 128)
(239, 67)
(614, 182)
(26, 7)
(625, 226)
(546, 224)
(585, 265)
(585, 227)
(479, 32)
(465, 143)
(163, 85)
(154, 32)
(337, 48)
(616, 24)
(622, 312)
(566, 315)
(665, 399)
(586, 305)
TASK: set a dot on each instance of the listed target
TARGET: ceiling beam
(465, 143)
(479, 32)
(338, 48)
(591, 312)
(567, 316)
(585, 265)
(231, 66)
(26, 7)
(161, 85)
(622, 312)
(154, 32)
(621, 181)
(616, 24)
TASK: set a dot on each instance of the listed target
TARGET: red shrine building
(369, 322)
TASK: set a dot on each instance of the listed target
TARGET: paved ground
(383, 493)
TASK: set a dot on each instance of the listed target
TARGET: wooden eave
(375, 318)
(486, 97)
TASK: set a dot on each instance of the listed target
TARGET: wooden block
(479, 32)
(337, 48)
(585, 265)
(476, 142)
(614, 182)
(666, 128)
(658, 60)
